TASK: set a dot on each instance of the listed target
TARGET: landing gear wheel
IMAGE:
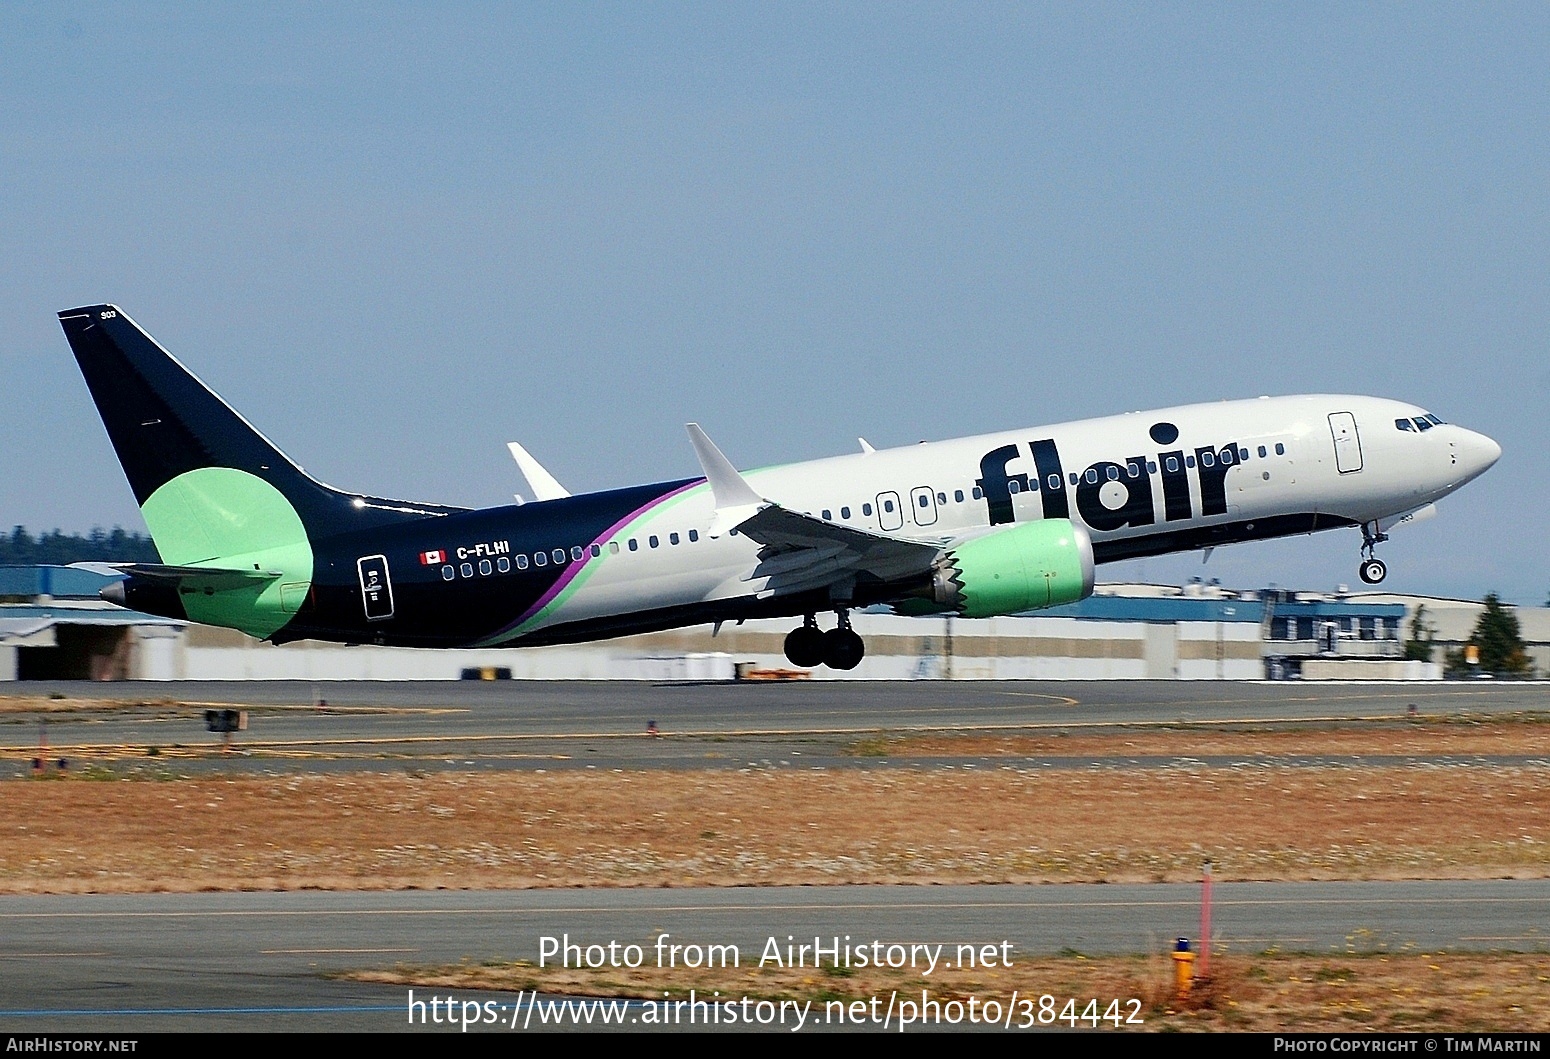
(843, 649)
(806, 647)
(1372, 570)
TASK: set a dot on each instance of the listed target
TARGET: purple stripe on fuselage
(575, 568)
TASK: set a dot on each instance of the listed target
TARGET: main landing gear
(1372, 571)
(810, 646)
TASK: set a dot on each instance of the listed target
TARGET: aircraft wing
(801, 552)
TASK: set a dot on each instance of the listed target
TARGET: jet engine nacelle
(1025, 567)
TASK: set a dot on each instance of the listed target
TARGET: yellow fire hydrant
(1183, 967)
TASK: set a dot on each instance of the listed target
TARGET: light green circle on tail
(226, 519)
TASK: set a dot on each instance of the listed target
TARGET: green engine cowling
(1020, 568)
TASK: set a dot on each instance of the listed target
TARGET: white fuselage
(1142, 483)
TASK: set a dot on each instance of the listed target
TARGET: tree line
(56, 548)
(1495, 646)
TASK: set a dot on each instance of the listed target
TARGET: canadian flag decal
(432, 558)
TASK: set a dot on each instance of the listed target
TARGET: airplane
(1001, 523)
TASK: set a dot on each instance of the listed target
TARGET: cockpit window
(1423, 424)
(1403, 424)
(1433, 420)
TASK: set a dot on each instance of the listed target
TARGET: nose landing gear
(839, 648)
(1372, 571)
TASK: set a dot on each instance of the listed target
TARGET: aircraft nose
(1478, 453)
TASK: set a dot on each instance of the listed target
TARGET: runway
(258, 961)
(565, 724)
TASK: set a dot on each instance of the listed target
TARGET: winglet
(866, 447)
(543, 483)
(735, 499)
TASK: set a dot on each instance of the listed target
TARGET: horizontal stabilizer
(101, 569)
(211, 575)
(172, 590)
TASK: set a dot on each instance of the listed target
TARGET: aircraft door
(376, 587)
(890, 513)
(923, 505)
(1348, 444)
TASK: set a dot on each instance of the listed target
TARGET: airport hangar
(53, 626)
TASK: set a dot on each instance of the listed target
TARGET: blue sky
(396, 237)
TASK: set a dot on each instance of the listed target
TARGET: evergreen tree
(1500, 640)
(21, 548)
(1418, 648)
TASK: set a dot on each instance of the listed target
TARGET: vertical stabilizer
(214, 491)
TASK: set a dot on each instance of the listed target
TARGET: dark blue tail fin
(165, 423)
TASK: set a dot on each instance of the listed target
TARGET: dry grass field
(989, 817)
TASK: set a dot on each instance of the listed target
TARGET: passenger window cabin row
(560, 556)
(557, 557)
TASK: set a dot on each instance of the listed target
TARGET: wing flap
(774, 563)
(803, 552)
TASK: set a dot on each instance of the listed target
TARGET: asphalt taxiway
(573, 724)
(265, 961)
